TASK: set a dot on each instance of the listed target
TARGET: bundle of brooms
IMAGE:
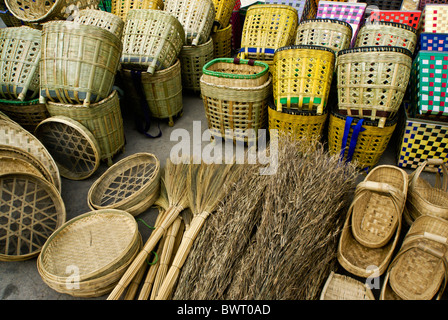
(273, 236)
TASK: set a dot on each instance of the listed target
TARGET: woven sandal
(419, 271)
(378, 205)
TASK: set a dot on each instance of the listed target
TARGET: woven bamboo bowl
(122, 7)
(331, 33)
(341, 287)
(132, 184)
(20, 52)
(28, 114)
(103, 19)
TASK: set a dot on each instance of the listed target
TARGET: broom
(207, 185)
(175, 182)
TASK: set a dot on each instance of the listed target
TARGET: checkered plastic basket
(411, 18)
(435, 18)
(434, 41)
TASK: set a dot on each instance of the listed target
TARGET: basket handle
(250, 62)
(441, 182)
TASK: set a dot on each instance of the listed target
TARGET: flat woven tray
(73, 146)
(32, 209)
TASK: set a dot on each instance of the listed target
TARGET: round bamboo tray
(331, 33)
(103, 119)
(152, 40)
(32, 209)
(10, 164)
(302, 77)
(72, 146)
(13, 135)
(90, 250)
(28, 114)
(192, 61)
(42, 10)
(341, 287)
(222, 42)
(103, 19)
(122, 7)
(89, 54)
(196, 17)
(223, 12)
(372, 81)
(385, 33)
(132, 184)
(20, 52)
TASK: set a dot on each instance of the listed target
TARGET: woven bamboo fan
(132, 184)
(13, 135)
(28, 114)
(96, 245)
(372, 81)
(89, 54)
(32, 209)
(20, 52)
(41, 11)
(72, 146)
(196, 17)
(222, 42)
(122, 7)
(103, 19)
(223, 12)
(384, 33)
(152, 40)
(341, 287)
(330, 33)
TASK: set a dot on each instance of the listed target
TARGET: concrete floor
(21, 280)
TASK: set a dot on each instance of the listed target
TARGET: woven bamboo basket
(90, 54)
(223, 12)
(13, 135)
(196, 17)
(132, 184)
(297, 124)
(20, 52)
(103, 119)
(152, 40)
(32, 209)
(95, 246)
(42, 11)
(341, 287)
(222, 43)
(8, 18)
(372, 81)
(266, 28)
(418, 271)
(103, 19)
(369, 141)
(384, 33)
(378, 205)
(302, 77)
(122, 7)
(330, 33)
(28, 114)
(72, 146)
(192, 61)
(424, 198)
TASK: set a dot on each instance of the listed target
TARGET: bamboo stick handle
(156, 235)
(181, 255)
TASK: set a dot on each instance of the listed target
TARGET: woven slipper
(378, 205)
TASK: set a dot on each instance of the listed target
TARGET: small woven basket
(222, 42)
(341, 287)
(103, 119)
(103, 19)
(42, 10)
(383, 33)
(196, 16)
(132, 184)
(26, 113)
(192, 60)
(267, 27)
(330, 33)
(223, 12)
(122, 7)
(302, 77)
(152, 40)
(372, 81)
(20, 52)
(369, 140)
(89, 54)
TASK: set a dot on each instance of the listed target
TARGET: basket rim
(345, 23)
(235, 76)
(79, 26)
(305, 46)
(392, 24)
(376, 49)
(20, 103)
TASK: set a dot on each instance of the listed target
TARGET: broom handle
(133, 287)
(181, 255)
(156, 235)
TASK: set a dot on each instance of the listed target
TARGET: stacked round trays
(87, 256)
(132, 184)
(235, 94)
